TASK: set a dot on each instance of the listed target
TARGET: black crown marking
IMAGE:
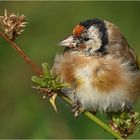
(102, 30)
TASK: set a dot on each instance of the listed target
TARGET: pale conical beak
(68, 42)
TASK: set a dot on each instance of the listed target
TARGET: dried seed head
(12, 24)
(124, 123)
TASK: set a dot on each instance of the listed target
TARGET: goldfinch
(99, 66)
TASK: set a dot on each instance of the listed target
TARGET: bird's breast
(99, 82)
(102, 74)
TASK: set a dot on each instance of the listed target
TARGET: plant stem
(38, 71)
(102, 124)
(95, 119)
(34, 67)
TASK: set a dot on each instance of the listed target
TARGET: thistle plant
(124, 123)
(12, 24)
(121, 124)
(48, 84)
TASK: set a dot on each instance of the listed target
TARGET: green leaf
(37, 80)
(48, 80)
(45, 67)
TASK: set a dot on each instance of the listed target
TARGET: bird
(99, 66)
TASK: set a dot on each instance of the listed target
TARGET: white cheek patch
(95, 41)
(93, 45)
(93, 32)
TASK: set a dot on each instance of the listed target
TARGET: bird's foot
(93, 112)
(77, 109)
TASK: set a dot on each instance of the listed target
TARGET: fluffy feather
(100, 67)
(102, 83)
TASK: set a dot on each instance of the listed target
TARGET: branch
(38, 71)
(95, 119)
(34, 67)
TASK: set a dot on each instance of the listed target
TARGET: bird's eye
(86, 39)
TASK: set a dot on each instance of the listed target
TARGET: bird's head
(88, 36)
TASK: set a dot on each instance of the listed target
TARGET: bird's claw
(93, 112)
(77, 109)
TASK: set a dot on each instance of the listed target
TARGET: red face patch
(78, 30)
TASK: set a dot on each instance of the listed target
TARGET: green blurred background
(23, 112)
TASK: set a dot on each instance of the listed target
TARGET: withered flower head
(124, 123)
(12, 24)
